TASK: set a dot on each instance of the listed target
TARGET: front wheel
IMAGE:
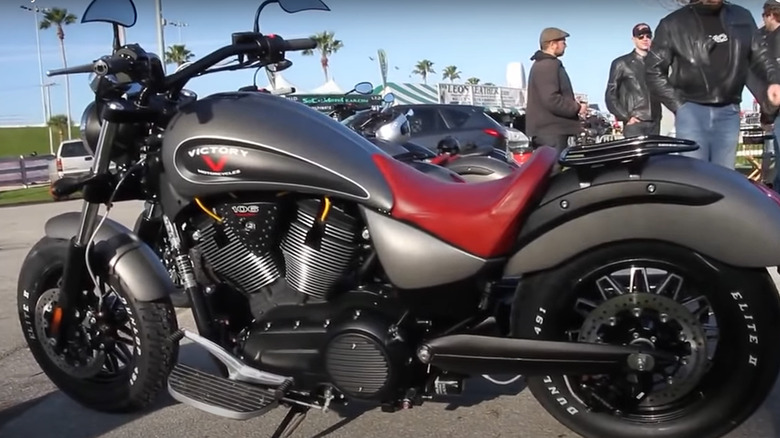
(118, 359)
(722, 322)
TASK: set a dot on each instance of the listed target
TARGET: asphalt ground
(31, 407)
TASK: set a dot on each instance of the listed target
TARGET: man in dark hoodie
(552, 112)
(710, 45)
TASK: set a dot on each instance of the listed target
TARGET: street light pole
(35, 11)
(160, 37)
(47, 109)
(177, 24)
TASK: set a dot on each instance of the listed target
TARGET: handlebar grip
(112, 65)
(299, 44)
(85, 68)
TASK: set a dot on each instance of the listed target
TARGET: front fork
(200, 310)
(75, 281)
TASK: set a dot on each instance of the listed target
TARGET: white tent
(330, 87)
(281, 82)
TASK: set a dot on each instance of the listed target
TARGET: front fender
(709, 209)
(120, 254)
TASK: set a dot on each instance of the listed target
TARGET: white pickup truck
(73, 158)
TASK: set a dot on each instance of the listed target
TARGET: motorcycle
(643, 303)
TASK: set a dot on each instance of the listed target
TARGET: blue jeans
(715, 129)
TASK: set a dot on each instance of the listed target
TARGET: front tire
(715, 388)
(130, 369)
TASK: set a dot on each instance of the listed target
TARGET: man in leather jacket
(710, 46)
(627, 96)
(757, 83)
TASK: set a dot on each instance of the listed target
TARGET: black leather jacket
(680, 43)
(627, 95)
(757, 83)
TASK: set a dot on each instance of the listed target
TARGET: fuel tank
(241, 141)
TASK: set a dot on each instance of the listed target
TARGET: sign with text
(481, 95)
(326, 102)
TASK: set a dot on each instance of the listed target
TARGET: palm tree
(424, 68)
(60, 123)
(59, 18)
(178, 54)
(327, 45)
(472, 81)
(450, 72)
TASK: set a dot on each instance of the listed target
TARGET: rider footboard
(623, 151)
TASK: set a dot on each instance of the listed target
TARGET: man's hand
(632, 120)
(583, 109)
(773, 93)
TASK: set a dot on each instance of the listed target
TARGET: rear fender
(709, 209)
(119, 253)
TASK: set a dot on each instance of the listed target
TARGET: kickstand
(291, 421)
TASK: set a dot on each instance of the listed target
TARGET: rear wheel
(118, 359)
(722, 322)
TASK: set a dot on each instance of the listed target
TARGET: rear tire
(732, 384)
(151, 357)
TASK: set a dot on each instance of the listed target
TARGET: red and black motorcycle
(328, 271)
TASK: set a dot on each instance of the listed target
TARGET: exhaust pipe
(475, 354)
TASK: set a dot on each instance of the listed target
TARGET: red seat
(480, 218)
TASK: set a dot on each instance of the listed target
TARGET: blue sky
(480, 37)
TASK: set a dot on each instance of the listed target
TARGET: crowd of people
(696, 63)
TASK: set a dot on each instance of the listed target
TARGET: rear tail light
(492, 132)
(59, 164)
(521, 157)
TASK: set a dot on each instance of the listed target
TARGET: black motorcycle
(643, 305)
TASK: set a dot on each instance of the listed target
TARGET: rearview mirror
(293, 6)
(364, 88)
(119, 12)
(389, 98)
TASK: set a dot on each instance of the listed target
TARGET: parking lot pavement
(30, 407)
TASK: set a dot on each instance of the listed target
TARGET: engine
(310, 244)
(270, 250)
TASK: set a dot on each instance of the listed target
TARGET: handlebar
(260, 46)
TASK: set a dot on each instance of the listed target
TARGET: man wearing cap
(711, 46)
(627, 96)
(757, 83)
(552, 112)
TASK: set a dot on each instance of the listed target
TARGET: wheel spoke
(112, 365)
(638, 281)
(584, 307)
(608, 287)
(123, 353)
(670, 286)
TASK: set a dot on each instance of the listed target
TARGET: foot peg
(220, 396)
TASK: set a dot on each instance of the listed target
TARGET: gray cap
(551, 34)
